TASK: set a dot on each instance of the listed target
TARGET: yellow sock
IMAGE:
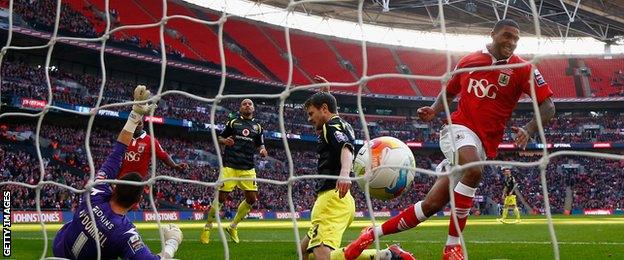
(505, 210)
(517, 213)
(211, 214)
(241, 213)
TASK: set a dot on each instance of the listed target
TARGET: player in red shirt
(486, 100)
(139, 155)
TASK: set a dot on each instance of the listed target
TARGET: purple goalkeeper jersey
(118, 236)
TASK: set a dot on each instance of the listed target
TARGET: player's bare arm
(427, 114)
(321, 79)
(173, 165)
(346, 161)
(524, 134)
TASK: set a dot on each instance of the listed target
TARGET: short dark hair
(319, 98)
(127, 195)
(505, 22)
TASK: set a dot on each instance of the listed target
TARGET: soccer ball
(386, 183)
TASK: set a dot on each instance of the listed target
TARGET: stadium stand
(607, 78)
(257, 51)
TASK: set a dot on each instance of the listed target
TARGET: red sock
(463, 202)
(407, 219)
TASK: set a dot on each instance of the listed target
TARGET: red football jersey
(139, 155)
(487, 98)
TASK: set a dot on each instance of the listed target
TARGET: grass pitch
(579, 237)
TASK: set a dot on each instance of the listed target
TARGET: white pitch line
(411, 241)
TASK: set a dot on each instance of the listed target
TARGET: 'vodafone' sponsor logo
(482, 88)
(285, 215)
(33, 216)
(164, 216)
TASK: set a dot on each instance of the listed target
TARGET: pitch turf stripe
(401, 241)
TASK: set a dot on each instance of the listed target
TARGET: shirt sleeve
(339, 135)
(111, 166)
(453, 86)
(102, 192)
(161, 154)
(133, 247)
(260, 138)
(228, 130)
(542, 89)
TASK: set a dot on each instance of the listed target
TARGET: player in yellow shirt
(334, 208)
(242, 138)
(509, 188)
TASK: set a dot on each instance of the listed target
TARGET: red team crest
(141, 147)
(503, 79)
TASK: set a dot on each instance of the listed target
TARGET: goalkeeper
(118, 236)
(509, 188)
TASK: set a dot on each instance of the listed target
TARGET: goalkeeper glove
(173, 238)
(141, 93)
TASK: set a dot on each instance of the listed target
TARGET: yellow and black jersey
(247, 134)
(335, 135)
(509, 185)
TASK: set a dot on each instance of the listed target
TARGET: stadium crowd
(594, 183)
(23, 81)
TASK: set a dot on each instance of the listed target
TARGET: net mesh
(361, 83)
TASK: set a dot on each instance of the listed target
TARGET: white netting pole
(38, 131)
(540, 127)
(364, 124)
(104, 38)
(161, 83)
(285, 94)
(454, 173)
(215, 140)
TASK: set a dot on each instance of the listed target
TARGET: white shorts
(463, 137)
